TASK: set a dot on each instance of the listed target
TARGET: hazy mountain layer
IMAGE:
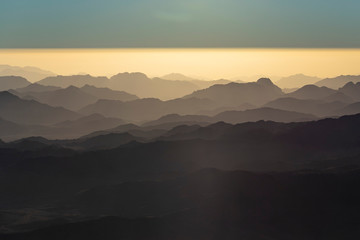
(296, 81)
(17, 110)
(231, 94)
(33, 74)
(11, 82)
(338, 82)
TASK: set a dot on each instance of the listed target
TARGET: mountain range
(85, 157)
(33, 74)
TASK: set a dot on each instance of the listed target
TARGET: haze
(199, 63)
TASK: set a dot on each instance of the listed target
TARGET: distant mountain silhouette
(9, 128)
(69, 129)
(144, 87)
(234, 94)
(267, 114)
(75, 80)
(74, 98)
(148, 108)
(338, 82)
(179, 119)
(35, 87)
(108, 141)
(296, 81)
(31, 73)
(71, 98)
(106, 93)
(12, 82)
(241, 107)
(338, 97)
(350, 109)
(134, 83)
(81, 126)
(352, 90)
(147, 131)
(310, 106)
(234, 117)
(177, 77)
(17, 110)
(311, 92)
(200, 83)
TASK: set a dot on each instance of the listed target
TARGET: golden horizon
(206, 63)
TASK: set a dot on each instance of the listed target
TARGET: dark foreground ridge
(213, 204)
(296, 181)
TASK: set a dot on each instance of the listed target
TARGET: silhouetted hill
(106, 93)
(310, 106)
(338, 82)
(31, 73)
(311, 92)
(75, 80)
(148, 108)
(352, 90)
(234, 94)
(17, 110)
(12, 82)
(296, 81)
(144, 87)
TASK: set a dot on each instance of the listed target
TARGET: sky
(179, 24)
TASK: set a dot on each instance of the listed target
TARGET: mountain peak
(265, 81)
(132, 75)
(349, 84)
